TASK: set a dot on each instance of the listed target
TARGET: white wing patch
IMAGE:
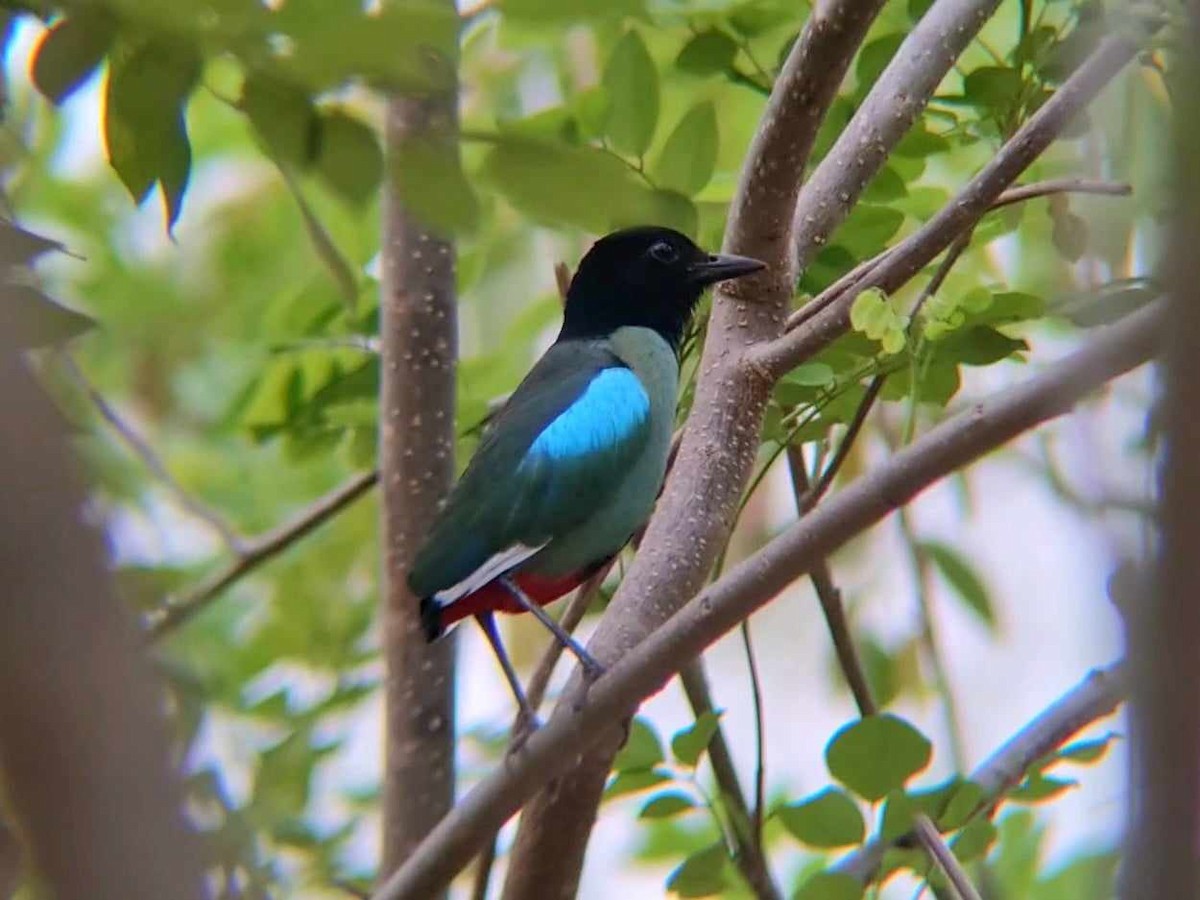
(492, 568)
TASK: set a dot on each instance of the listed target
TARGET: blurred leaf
(688, 743)
(700, 875)
(974, 840)
(631, 81)
(979, 345)
(20, 247)
(690, 153)
(283, 116)
(1108, 304)
(70, 51)
(874, 57)
(1070, 236)
(897, 816)
(37, 321)
(430, 179)
(963, 579)
(642, 749)
(562, 185)
(830, 886)
(664, 806)
(1038, 788)
(339, 268)
(868, 229)
(631, 781)
(348, 156)
(812, 374)
(992, 87)
(555, 11)
(710, 52)
(877, 754)
(828, 819)
(146, 92)
(1086, 752)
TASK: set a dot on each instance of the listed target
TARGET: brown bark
(1162, 852)
(418, 322)
(83, 740)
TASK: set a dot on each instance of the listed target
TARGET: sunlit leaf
(877, 754)
(828, 819)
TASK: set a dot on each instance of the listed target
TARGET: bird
(571, 465)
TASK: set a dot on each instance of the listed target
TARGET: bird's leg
(526, 722)
(591, 668)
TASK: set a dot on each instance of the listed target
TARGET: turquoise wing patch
(614, 409)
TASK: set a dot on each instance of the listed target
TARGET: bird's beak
(722, 267)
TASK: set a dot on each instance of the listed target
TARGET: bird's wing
(573, 427)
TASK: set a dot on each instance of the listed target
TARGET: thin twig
(760, 763)
(929, 641)
(1009, 197)
(748, 855)
(144, 452)
(253, 553)
(935, 846)
(812, 496)
(829, 596)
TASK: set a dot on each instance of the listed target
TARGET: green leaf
(283, 116)
(869, 228)
(70, 52)
(688, 743)
(34, 320)
(812, 374)
(1086, 752)
(874, 57)
(145, 96)
(962, 577)
(327, 251)
(710, 52)
(1070, 236)
(830, 886)
(992, 86)
(979, 345)
(1108, 304)
(631, 81)
(974, 840)
(877, 754)
(642, 749)
(19, 247)
(562, 185)
(828, 819)
(348, 157)
(690, 153)
(430, 178)
(665, 806)
(897, 816)
(1038, 788)
(700, 875)
(634, 780)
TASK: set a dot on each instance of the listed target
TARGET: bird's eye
(664, 252)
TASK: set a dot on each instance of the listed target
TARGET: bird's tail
(431, 618)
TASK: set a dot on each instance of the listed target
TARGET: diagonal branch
(962, 213)
(755, 581)
(142, 449)
(253, 552)
(716, 456)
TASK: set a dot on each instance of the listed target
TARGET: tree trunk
(418, 318)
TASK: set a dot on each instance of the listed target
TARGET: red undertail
(494, 597)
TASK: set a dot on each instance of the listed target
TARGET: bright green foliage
(700, 875)
(828, 819)
(877, 754)
(690, 742)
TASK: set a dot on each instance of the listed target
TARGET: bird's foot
(592, 670)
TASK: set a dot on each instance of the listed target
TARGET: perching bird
(571, 465)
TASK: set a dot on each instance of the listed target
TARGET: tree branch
(143, 451)
(894, 102)
(84, 743)
(252, 553)
(1007, 198)
(960, 215)
(1163, 835)
(748, 855)
(695, 513)
(419, 330)
(755, 581)
(1097, 696)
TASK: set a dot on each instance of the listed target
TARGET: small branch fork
(253, 552)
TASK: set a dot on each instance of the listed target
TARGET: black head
(647, 276)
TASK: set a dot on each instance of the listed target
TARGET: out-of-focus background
(239, 345)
